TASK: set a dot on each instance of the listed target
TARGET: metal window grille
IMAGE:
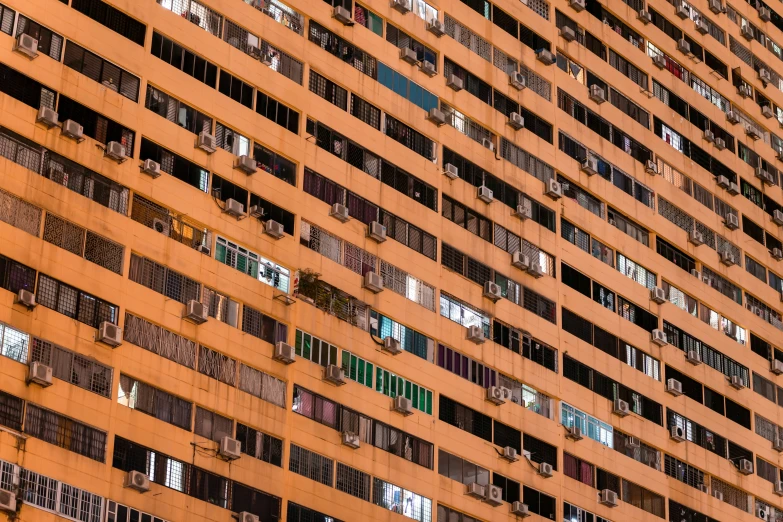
(11, 409)
(409, 137)
(465, 125)
(366, 112)
(683, 472)
(73, 367)
(163, 280)
(220, 306)
(328, 90)
(66, 433)
(176, 111)
(212, 426)
(468, 38)
(353, 482)
(463, 313)
(260, 445)
(196, 13)
(49, 42)
(337, 46)
(74, 303)
(281, 13)
(525, 161)
(731, 495)
(15, 343)
(217, 366)
(160, 341)
(19, 213)
(102, 71)
(311, 465)
(262, 385)
(402, 501)
(161, 220)
(155, 402)
(117, 512)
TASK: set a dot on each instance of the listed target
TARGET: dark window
(328, 90)
(365, 111)
(16, 276)
(409, 137)
(539, 503)
(112, 18)
(464, 418)
(96, 68)
(175, 165)
(64, 432)
(236, 89)
(297, 513)
(263, 326)
(25, 89)
(342, 49)
(278, 112)
(510, 488)
(275, 164)
(176, 111)
(540, 451)
(49, 42)
(11, 411)
(467, 218)
(184, 60)
(74, 303)
(95, 125)
(271, 211)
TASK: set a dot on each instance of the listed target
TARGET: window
(571, 513)
(357, 369)
(446, 514)
(262, 385)
(297, 513)
(410, 340)
(368, 19)
(337, 46)
(406, 88)
(236, 89)
(95, 125)
(184, 60)
(11, 409)
(461, 470)
(311, 465)
(106, 73)
(462, 313)
(683, 472)
(27, 91)
(231, 141)
(260, 445)
(155, 402)
(353, 482)
(466, 218)
(365, 111)
(539, 503)
(7, 20)
(175, 165)
(112, 18)
(176, 111)
(49, 42)
(510, 491)
(314, 349)
(64, 432)
(409, 137)
(276, 111)
(67, 365)
(74, 303)
(328, 90)
(196, 13)
(212, 426)
(393, 386)
(159, 341)
(16, 276)
(163, 280)
(275, 164)
(464, 418)
(252, 264)
(709, 356)
(15, 343)
(116, 512)
(402, 501)
(271, 211)
(578, 469)
(624, 224)
(540, 451)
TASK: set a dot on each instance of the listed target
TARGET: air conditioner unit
(718, 495)
(206, 142)
(520, 260)
(267, 58)
(436, 27)
(340, 212)
(351, 440)
(767, 112)
(696, 237)
(677, 434)
(510, 454)
(659, 337)
(151, 168)
(492, 291)
(451, 171)
(674, 387)
(659, 60)
(409, 55)
(632, 442)
(274, 229)
(230, 449)
(373, 282)
(204, 249)
(475, 490)
(658, 295)
(436, 116)
(138, 481)
(7, 502)
(720, 143)
(454, 82)
(545, 470)
(764, 75)
(402, 405)
(403, 6)
(27, 46)
(519, 509)
(335, 375)
(428, 68)
(536, 270)
(246, 516)
(733, 189)
(246, 164)
(777, 444)
(553, 189)
(731, 221)
(683, 46)
(392, 346)
(474, 334)
(546, 57)
(644, 17)
(621, 408)
(376, 232)
(763, 175)
(732, 117)
(516, 121)
(39, 374)
(736, 382)
(234, 208)
(524, 210)
(745, 466)
(590, 165)
(342, 15)
(109, 333)
(747, 32)
(779, 488)
(496, 395)
(25, 298)
(765, 14)
(160, 226)
(777, 254)
(693, 357)
(704, 488)
(577, 5)
(608, 498)
(517, 80)
(776, 366)
(487, 144)
(485, 194)
(493, 495)
(702, 26)
(682, 11)
(255, 211)
(73, 130)
(597, 94)
(777, 217)
(574, 433)
(650, 167)
(715, 6)
(47, 117)
(568, 34)
(709, 136)
(745, 90)
(284, 353)
(727, 258)
(723, 182)
(196, 312)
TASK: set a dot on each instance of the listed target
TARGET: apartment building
(369, 260)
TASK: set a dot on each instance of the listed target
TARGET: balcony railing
(280, 13)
